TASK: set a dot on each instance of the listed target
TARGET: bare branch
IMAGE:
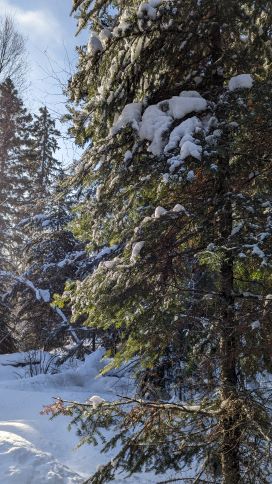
(12, 52)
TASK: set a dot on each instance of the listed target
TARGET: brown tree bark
(230, 421)
(230, 459)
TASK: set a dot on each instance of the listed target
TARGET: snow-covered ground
(36, 450)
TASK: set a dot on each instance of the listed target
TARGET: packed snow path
(35, 450)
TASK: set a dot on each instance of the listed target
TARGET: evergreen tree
(45, 167)
(50, 257)
(14, 187)
(14, 175)
(183, 200)
(44, 238)
(7, 327)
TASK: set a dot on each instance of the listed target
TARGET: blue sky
(50, 39)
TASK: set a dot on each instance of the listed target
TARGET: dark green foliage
(15, 183)
(14, 186)
(45, 167)
(188, 287)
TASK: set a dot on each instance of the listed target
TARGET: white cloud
(39, 23)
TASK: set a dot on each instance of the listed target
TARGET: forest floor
(37, 450)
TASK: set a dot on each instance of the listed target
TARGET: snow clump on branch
(157, 120)
(137, 247)
(243, 81)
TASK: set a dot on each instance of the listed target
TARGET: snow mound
(189, 148)
(22, 463)
(137, 247)
(145, 9)
(181, 133)
(155, 123)
(96, 400)
(149, 9)
(243, 81)
(131, 114)
(157, 120)
(179, 208)
(180, 106)
(79, 378)
(94, 45)
(159, 212)
(36, 450)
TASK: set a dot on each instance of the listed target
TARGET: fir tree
(50, 257)
(176, 101)
(46, 168)
(7, 326)
(14, 174)
(14, 189)
(43, 237)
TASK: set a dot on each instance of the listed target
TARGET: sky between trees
(50, 43)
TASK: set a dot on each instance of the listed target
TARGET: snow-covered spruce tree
(14, 186)
(7, 326)
(50, 257)
(44, 239)
(176, 99)
(14, 174)
(46, 168)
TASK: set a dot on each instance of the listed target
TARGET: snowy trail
(36, 450)
(26, 437)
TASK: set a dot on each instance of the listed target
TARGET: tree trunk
(230, 459)
(228, 347)
(228, 341)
